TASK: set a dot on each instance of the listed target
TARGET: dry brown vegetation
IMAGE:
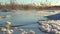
(24, 7)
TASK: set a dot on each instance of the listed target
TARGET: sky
(54, 2)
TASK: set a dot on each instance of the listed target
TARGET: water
(23, 17)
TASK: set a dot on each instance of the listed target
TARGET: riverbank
(50, 26)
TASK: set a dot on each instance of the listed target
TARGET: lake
(21, 17)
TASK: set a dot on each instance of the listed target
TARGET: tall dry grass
(23, 7)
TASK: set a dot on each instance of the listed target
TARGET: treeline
(22, 7)
(16, 6)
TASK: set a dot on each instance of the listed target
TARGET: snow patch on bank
(50, 26)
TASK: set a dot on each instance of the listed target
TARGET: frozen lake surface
(21, 17)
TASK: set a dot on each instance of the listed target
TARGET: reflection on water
(23, 17)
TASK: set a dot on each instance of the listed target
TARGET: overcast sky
(57, 2)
